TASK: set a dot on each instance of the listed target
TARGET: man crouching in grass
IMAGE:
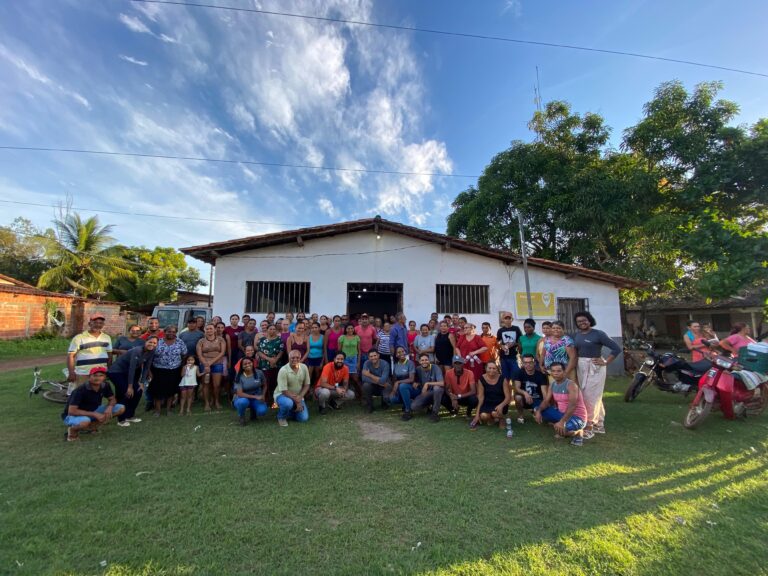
(563, 406)
(85, 410)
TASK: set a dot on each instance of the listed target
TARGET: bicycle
(57, 391)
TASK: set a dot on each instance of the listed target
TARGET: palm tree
(84, 256)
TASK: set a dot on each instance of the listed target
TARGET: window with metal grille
(278, 297)
(462, 299)
(567, 307)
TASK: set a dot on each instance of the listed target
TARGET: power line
(230, 161)
(457, 34)
(163, 216)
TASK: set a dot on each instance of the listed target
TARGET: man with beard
(333, 386)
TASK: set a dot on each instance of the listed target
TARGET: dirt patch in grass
(379, 432)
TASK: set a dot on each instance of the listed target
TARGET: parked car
(180, 315)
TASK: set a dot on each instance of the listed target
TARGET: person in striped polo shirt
(89, 349)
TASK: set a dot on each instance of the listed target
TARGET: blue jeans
(77, 420)
(258, 407)
(285, 410)
(406, 393)
(552, 414)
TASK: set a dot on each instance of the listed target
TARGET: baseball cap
(96, 316)
(458, 360)
(97, 369)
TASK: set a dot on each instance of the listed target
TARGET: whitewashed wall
(394, 258)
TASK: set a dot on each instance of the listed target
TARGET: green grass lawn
(201, 495)
(32, 347)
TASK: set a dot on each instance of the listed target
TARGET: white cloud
(35, 74)
(132, 60)
(514, 7)
(135, 24)
(326, 206)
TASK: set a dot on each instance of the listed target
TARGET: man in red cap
(89, 349)
(84, 410)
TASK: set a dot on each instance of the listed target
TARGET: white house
(378, 266)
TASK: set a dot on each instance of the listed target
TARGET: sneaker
(124, 423)
(384, 405)
(521, 420)
(588, 434)
(577, 441)
(133, 420)
(282, 422)
(598, 429)
(473, 425)
(333, 404)
(242, 420)
(434, 417)
(369, 409)
(322, 410)
(406, 416)
(510, 434)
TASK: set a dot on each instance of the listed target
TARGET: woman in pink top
(332, 338)
(738, 339)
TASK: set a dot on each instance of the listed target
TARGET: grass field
(201, 495)
(32, 347)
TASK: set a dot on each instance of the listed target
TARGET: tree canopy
(21, 253)
(682, 205)
(81, 256)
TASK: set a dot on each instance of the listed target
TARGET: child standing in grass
(189, 376)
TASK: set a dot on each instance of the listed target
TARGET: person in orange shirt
(460, 388)
(332, 387)
(491, 354)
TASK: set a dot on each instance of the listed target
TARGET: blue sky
(124, 76)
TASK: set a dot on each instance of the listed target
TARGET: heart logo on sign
(547, 299)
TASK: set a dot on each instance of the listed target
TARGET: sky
(123, 76)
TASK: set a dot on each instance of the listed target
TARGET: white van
(180, 315)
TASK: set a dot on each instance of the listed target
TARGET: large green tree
(21, 254)
(681, 206)
(715, 184)
(159, 274)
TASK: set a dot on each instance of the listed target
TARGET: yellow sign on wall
(543, 304)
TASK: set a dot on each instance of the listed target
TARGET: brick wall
(23, 315)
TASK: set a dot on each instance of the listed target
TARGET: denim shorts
(77, 420)
(215, 369)
(351, 363)
(573, 424)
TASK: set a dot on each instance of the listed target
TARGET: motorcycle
(736, 396)
(668, 372)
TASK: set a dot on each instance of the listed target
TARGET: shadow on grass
(214, 498)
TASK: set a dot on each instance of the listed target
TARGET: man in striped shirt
(92, 348)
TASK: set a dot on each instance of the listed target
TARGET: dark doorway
(374, 299)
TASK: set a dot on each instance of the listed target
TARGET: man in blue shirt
(398, 335)
(430, 384)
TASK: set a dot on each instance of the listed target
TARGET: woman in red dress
(469, 346)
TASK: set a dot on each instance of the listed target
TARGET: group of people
(285, 362)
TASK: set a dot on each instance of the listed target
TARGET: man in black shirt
(85, 410)
(530, 387)
(508, 342)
